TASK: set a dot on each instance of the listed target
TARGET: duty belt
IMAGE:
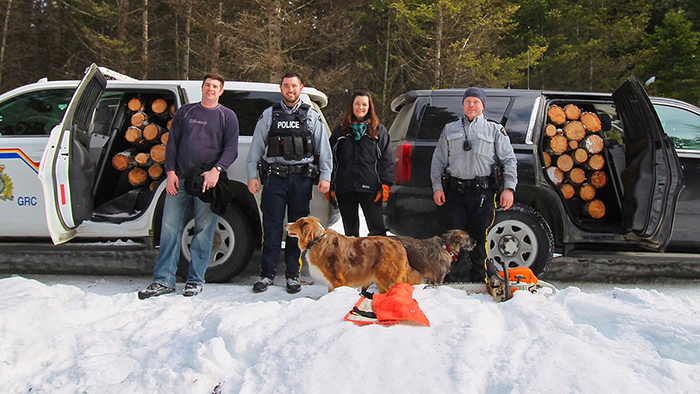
(462, 184)
(283, 170)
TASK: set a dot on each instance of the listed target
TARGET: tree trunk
(186, 54)
(122, 23)
(144, 42)
(4, 37)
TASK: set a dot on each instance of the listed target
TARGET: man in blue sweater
(204, 132)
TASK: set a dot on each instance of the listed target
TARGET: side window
(681, 125)
(34, 113)
(444, 110)
(248, 107)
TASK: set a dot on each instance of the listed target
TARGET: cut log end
(556, 115)
(593, 144)
(557, 145)
(594, 209)
(586, 192)
(598, 179)
(137, 177)
(158, 153)
(565, 163)
(572, 112)
(555, 175)
(139, 119)
(574, 131)
(567, 191)
(134, 104)
(155, 171)
(159, 106)
(577, 176)
(591, 121)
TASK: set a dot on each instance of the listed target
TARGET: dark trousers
(349, 203)
(291, 194)
(472, 211)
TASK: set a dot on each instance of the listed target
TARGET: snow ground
(75, 334)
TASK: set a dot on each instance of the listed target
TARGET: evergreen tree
(671, 56)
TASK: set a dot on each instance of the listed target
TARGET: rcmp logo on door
(5, 185)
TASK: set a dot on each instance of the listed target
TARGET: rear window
(248, 106)
(444, 110)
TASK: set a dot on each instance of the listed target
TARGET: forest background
(385, 46)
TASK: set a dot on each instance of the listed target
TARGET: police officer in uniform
(287, 138)
(467, 153)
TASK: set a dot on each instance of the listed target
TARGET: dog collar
(308, 247)
(447, 248)
(314, 242)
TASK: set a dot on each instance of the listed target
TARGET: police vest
(289, 136)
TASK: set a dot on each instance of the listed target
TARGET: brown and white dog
(433, 257)
(338, 260)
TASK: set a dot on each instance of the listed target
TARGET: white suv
(86, 197)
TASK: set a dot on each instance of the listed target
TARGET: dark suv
(642, 171)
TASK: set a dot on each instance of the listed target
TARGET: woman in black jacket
(363, 168)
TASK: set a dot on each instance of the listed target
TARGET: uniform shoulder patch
(502, 129)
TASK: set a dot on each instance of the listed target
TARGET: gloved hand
(383, 194)
(330, 196)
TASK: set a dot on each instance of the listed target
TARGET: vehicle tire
(232, 249)
(520, 237)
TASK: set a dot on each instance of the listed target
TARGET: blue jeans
(176, 210)
(292, 194)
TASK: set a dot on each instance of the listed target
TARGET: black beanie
(475, 92)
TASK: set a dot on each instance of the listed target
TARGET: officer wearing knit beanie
(463, 189)
(475, 92)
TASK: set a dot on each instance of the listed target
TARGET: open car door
(66, 171)
(652, 178)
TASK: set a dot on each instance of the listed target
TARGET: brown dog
(338, 260)
(434, 256)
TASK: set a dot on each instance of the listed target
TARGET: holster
(263, 170)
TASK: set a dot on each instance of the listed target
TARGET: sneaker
(293, 285)
(154, 290)
(262, 285)
(192, 289)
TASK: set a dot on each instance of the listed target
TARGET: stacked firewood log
(148, 134)
(573, 156)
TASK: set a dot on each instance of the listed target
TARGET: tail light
(402, 164)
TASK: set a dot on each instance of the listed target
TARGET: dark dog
(433, 257)
(337, 260)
